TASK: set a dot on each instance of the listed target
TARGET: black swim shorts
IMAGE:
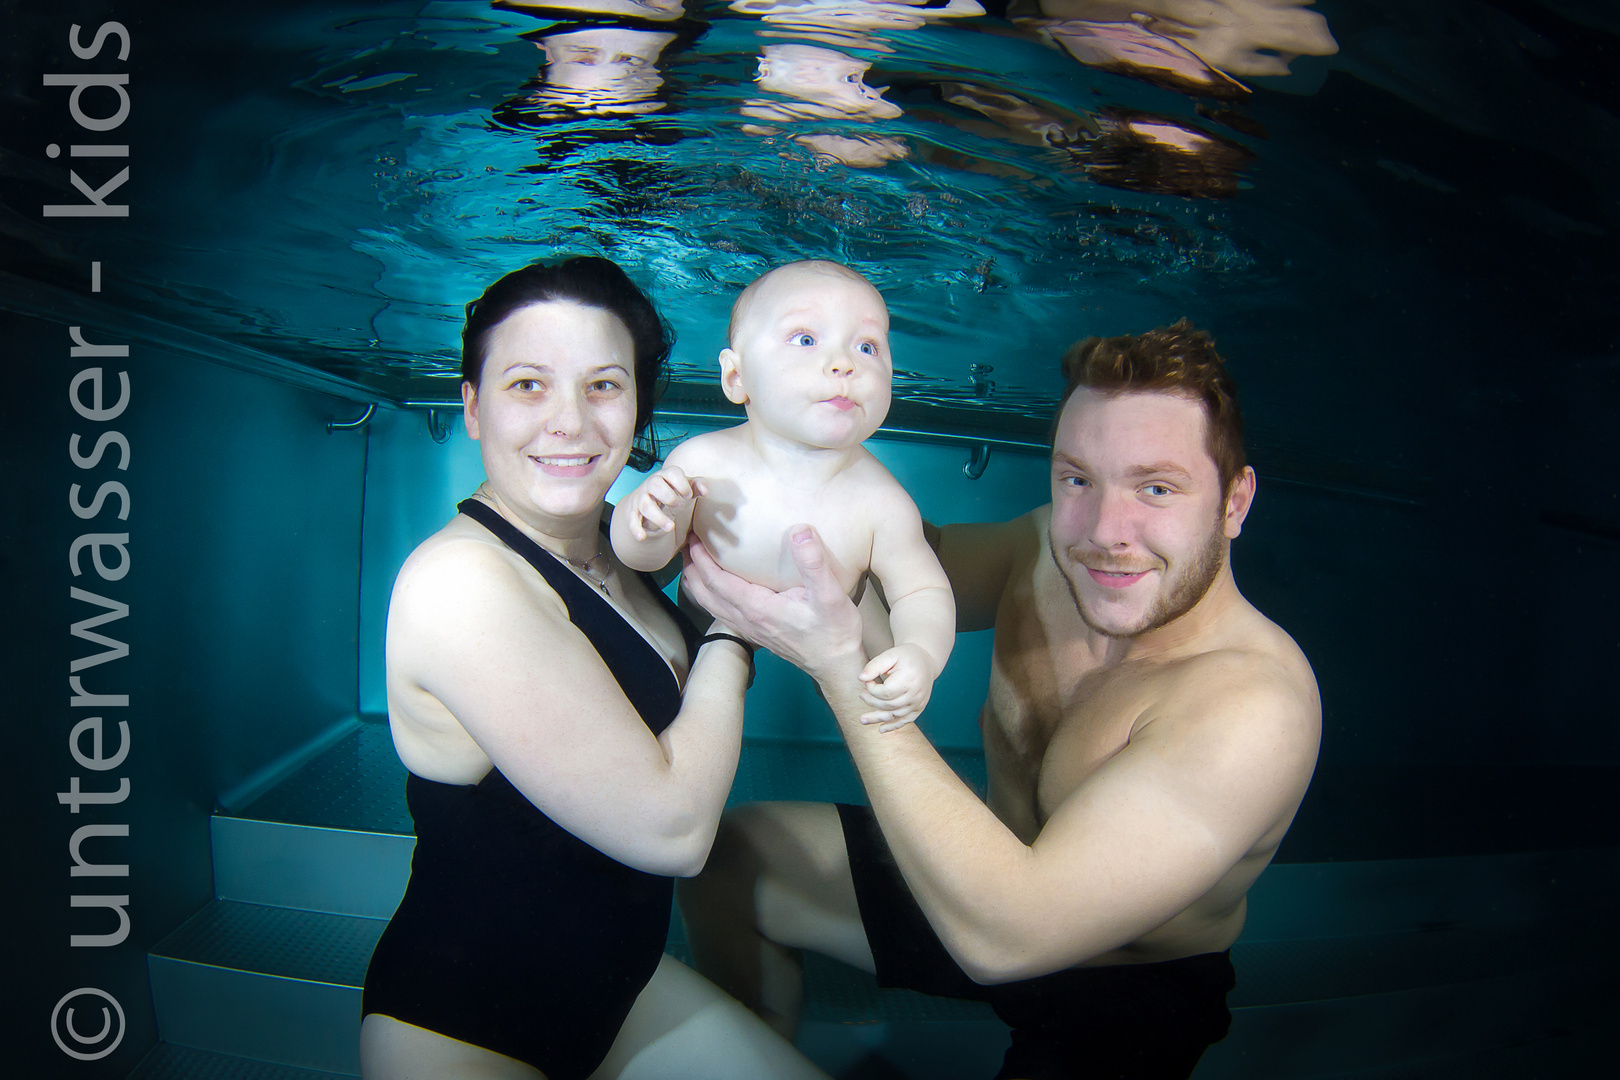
(1125, 1022)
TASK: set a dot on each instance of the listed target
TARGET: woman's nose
(567, 415)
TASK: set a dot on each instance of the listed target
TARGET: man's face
(1139, 522)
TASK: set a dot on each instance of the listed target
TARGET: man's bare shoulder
(1256, 678)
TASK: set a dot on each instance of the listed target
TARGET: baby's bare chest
(746, 523)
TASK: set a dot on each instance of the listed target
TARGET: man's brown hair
(1175, 359)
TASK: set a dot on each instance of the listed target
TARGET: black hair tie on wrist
(747, 647)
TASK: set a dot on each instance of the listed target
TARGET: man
(1148, 736)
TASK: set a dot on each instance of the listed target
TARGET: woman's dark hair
(593, 282)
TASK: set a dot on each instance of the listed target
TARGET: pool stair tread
(166, 1061)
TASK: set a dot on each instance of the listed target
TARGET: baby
(809, 360)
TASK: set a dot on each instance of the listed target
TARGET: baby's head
(809, 355)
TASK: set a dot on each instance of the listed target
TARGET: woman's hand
(813, 627)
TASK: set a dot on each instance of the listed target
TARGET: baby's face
(811, 359)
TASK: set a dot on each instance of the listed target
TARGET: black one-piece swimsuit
(514, 934)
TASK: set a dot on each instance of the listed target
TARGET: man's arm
(1134, 845)
(978, 560)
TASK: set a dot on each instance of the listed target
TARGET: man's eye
(1157, 490)
(1076, 481)
(806, 340)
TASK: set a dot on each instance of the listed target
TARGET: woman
(570, 739)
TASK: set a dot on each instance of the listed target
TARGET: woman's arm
(493, 645)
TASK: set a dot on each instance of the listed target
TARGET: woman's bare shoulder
(465, 568)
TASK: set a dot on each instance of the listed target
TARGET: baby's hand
(898, 683)
(662, 495)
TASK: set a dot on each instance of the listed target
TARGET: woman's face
(554, 410)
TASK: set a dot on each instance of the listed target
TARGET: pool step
(268, 983)
(169, 1062)
(281, 985)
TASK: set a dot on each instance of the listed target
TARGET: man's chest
(1055, 713)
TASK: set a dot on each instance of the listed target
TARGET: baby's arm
(922, 616)
(650, 524)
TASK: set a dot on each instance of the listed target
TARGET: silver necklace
(585, 569)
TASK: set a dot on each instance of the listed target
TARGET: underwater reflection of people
(1238, 37)
(856, 14)
(654, 10)
(1127, 48)
(602, 68)
(813, 83)
(817, 82)
(1156, 154)
(1123, 148)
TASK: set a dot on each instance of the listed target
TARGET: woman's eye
(604, 386)
(805, 340)
(527, 386)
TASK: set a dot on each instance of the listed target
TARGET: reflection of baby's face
(823, 76)
(612, 61)
(812, 357)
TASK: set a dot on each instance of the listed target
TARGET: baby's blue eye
(806, 340)
(868, 348)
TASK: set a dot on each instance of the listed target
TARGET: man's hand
(814, 626)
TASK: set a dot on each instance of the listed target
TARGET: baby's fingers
(891, 719)
(877, 667)
(653, 519)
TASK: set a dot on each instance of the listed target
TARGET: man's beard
(1173, 602)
